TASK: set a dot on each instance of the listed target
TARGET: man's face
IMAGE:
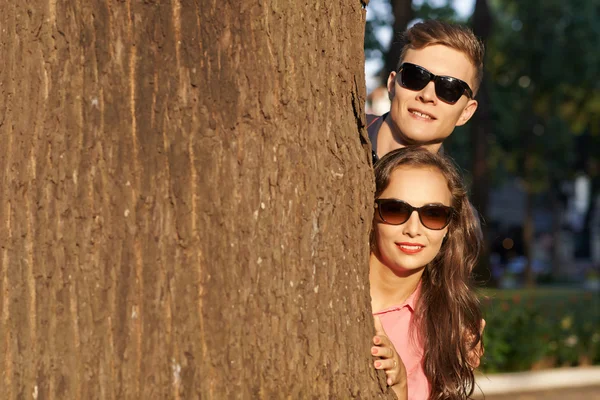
(420, 117)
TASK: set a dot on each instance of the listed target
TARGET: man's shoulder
(373, 119)
(373, 124)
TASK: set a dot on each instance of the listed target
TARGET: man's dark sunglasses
(397, 212)
(447, 88)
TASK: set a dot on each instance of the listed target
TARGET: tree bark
(186, 200)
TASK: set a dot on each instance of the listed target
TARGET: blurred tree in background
(543, 65)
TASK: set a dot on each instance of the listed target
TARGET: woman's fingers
(393, 377)
(386, 364)
(382, 340)
(383, 351)
(389, 361)
(391, 368)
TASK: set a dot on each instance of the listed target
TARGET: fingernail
(389, 382)
(376, 340)
(374, 350)
(377, 364)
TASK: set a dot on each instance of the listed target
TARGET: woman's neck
(389, 288)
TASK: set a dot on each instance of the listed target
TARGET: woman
(425, 242)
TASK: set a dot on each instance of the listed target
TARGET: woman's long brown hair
(447, 315)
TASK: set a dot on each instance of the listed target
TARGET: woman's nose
(412, 226)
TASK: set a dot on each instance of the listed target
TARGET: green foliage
(529, 329)
(379, 15)
(542, 67)
(444, 12)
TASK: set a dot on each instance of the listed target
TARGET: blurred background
(531, 155)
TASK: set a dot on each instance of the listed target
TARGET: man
(432, 90)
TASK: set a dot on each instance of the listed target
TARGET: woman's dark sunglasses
(447, 88)
(397, 212)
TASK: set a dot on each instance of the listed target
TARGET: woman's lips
(410, 248)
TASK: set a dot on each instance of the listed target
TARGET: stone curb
(536, 380)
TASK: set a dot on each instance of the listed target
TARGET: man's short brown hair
(457, 37)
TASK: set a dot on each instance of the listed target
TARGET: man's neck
(389, 288)
(387, 140)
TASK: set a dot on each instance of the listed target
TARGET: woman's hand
(389, 361)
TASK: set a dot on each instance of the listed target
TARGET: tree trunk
(480, 130)
(403, 14)
(557, 215)
(528, 235)
(186, 200)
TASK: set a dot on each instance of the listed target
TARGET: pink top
(397, 321)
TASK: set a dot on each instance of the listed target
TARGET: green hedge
(540, 328)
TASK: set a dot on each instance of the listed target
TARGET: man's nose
(427, 94)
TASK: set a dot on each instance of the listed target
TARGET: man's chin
(417, 136)
(421, 140)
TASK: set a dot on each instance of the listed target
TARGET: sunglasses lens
(435, 217)
(394, 212)
(448, 89)
(414, 78)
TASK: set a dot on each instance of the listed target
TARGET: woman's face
(410, 246)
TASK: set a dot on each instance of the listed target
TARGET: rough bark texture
(186, 200)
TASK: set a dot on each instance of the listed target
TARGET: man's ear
(391, 84)
(467, 112)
